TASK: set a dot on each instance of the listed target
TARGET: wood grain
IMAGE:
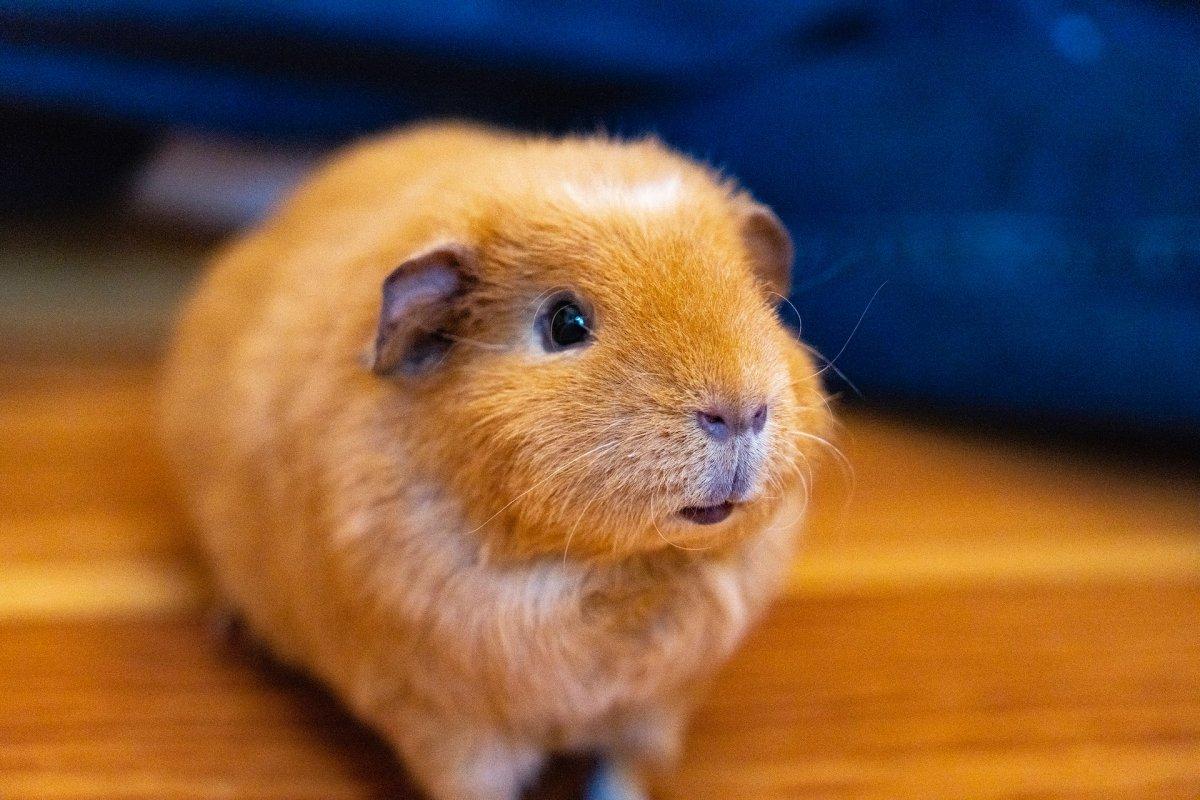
(1066, 692)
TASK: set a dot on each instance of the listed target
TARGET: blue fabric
(605, 784)
(1017, 185)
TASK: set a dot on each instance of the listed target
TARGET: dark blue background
(1017, 184)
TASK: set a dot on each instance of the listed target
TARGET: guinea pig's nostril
(713, 423)
(721, 422)
(759, 420)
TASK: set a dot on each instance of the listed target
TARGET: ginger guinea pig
(502, 439)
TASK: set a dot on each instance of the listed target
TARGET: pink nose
(723, 422)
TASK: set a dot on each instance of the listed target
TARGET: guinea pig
(502, 439)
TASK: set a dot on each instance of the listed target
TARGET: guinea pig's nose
(722, 422)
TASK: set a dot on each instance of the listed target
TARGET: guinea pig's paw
(453, 763)
(616, 779)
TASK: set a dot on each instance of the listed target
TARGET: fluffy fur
(485, 561)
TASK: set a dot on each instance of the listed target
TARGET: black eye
(567, 325)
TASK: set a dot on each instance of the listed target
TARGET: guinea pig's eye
(565, 324)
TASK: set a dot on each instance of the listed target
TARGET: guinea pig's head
(596, 367)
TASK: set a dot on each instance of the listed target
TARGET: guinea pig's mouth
(708, 515)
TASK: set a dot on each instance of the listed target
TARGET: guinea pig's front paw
(463, 763)
(617, 779)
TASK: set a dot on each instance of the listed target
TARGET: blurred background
(996, 207)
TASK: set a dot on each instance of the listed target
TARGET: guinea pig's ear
(418, 305)
(769, 246)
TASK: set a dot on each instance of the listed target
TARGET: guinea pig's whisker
(554, 474)
(669, 543)
(829, 411)
(829, 363)
(828, 445)
(582, 514)
(796, 311)
(819, 274)
(774, 483)
(806, 482)
(795, 520)
(663, 536)
(845, 467)
(805, 479)
(805, 462)
(544, 298)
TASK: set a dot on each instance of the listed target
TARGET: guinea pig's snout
(734, 459)
(723, 422)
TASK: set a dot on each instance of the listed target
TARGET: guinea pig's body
(500, 438)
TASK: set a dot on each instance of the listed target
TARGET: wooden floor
(976, 616)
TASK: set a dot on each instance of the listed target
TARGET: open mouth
(707, 515)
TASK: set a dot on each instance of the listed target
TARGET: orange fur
(485, 562)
